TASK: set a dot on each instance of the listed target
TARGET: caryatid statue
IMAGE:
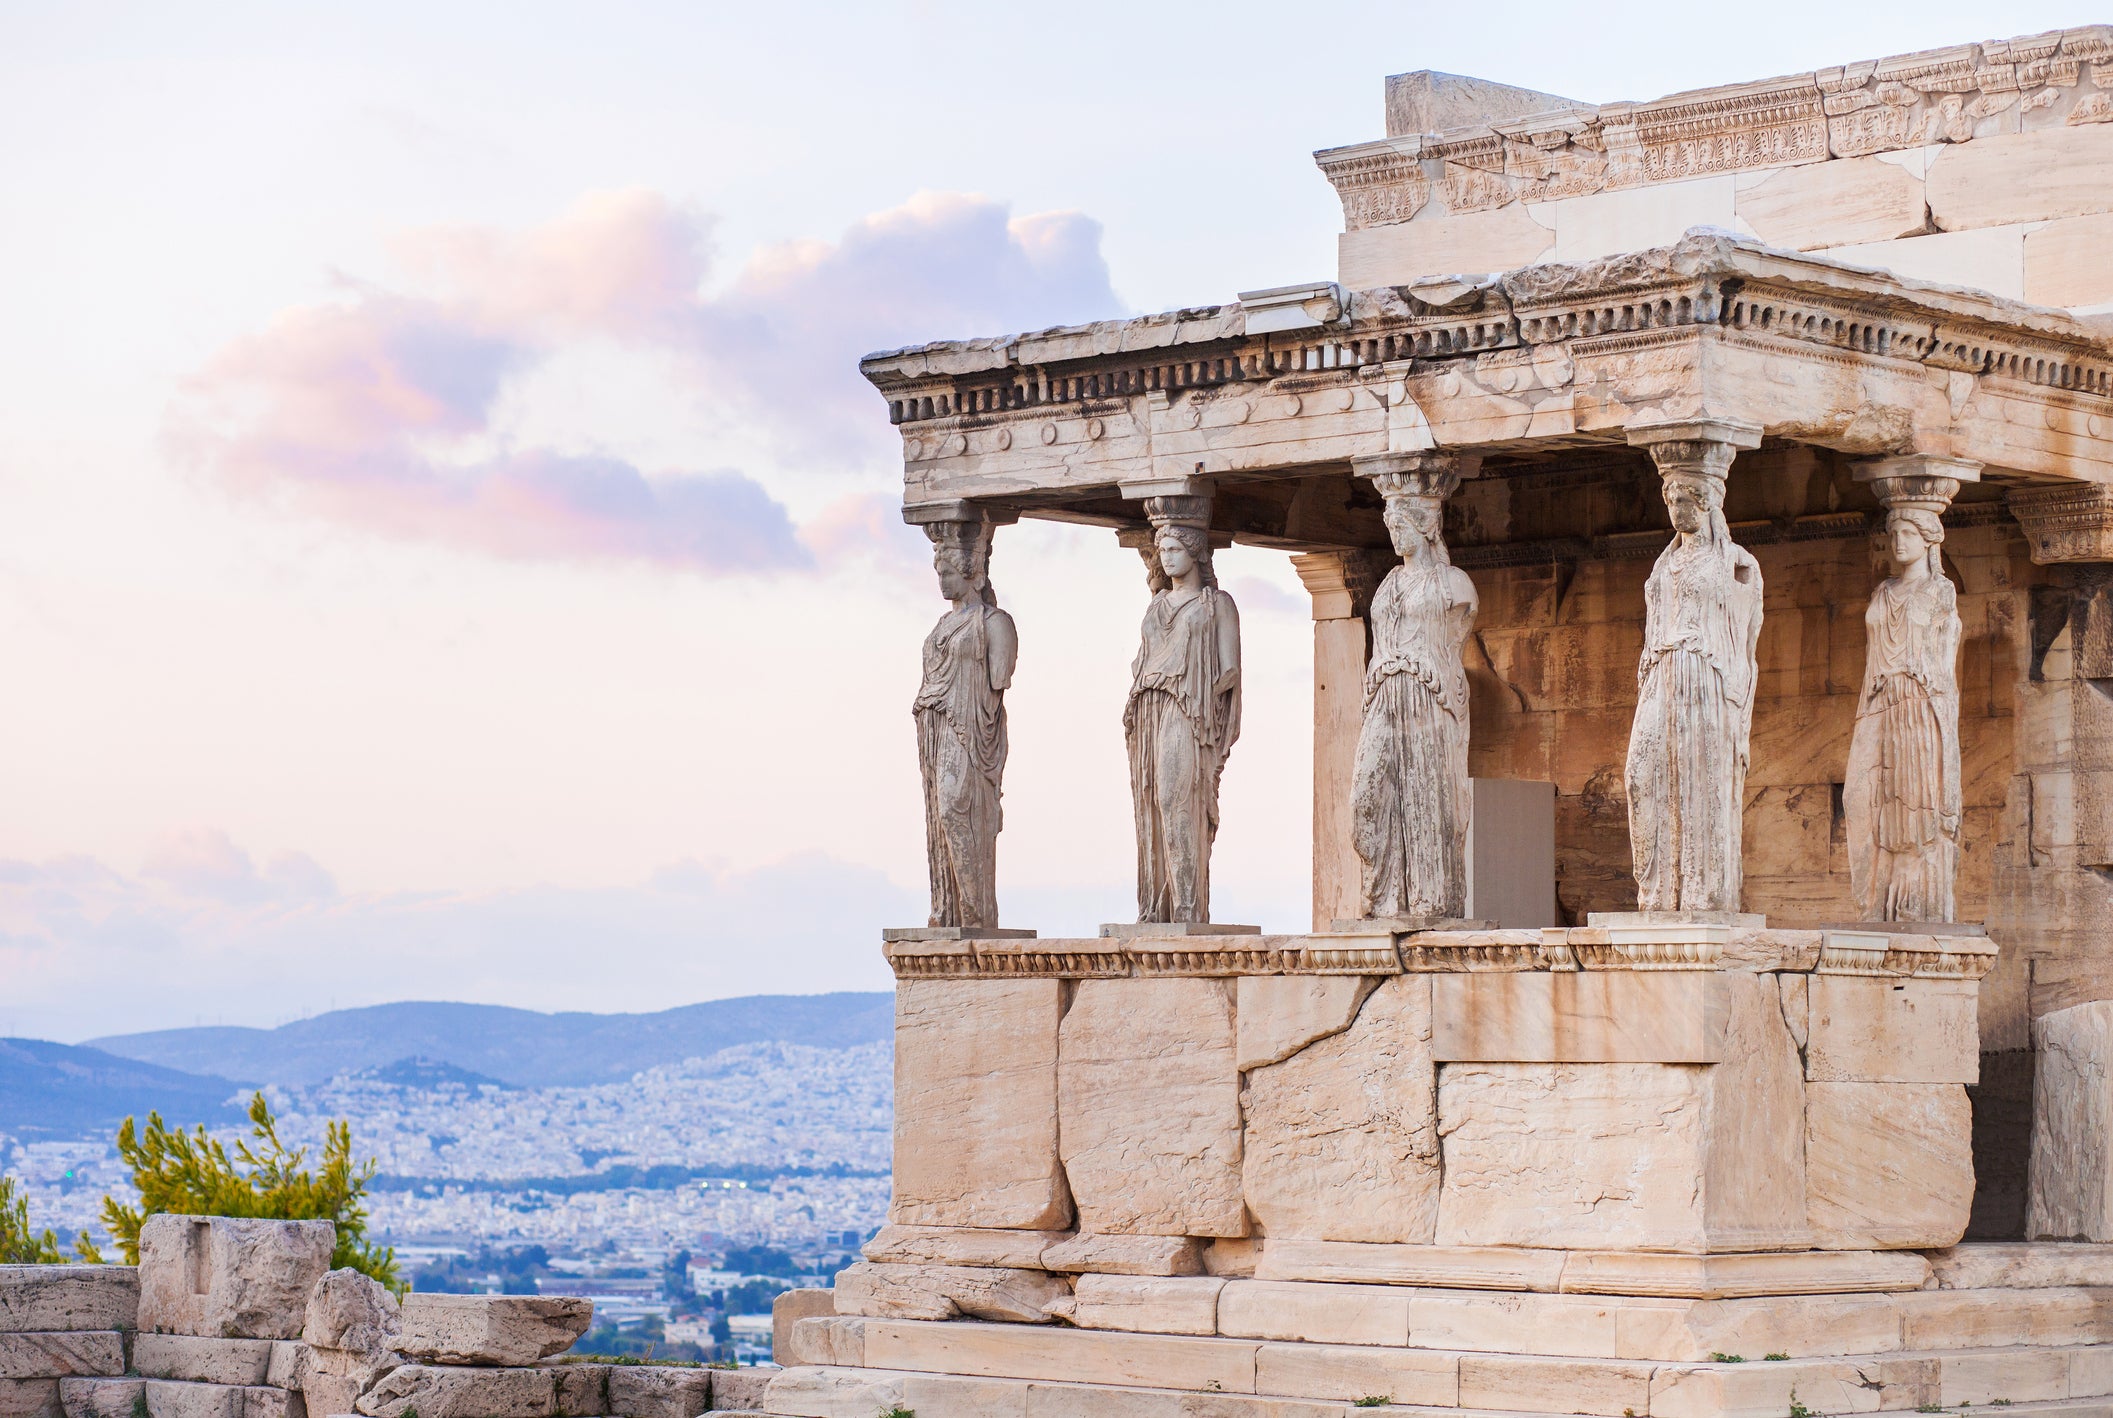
(1902, 798)
(960, 710)
(1411, 800)
(1183, 713)
(1688, 743)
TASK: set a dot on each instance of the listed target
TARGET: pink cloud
(376, 410)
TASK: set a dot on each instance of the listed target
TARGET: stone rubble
(491, 1329)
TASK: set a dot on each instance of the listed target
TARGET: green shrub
(21, 1246)
(190, 1174)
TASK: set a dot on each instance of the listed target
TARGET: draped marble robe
(1411, 800)
(961, 745)
(1688, 743)
(1179, 724)
(1902, 799)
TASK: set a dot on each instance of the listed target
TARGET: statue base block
(910, 934)
(1969, 928)
(1140, 930)
(1407, 925)
(1625, 920)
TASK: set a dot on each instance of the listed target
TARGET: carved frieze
(1854, 110)
(2067, 522)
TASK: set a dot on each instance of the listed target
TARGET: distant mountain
(516, 1046)
(61, 1090)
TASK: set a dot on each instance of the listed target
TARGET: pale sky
(446, 550)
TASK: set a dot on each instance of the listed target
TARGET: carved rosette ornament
(1411, 800)
(1688, 743)
(960, 712)
(1902, 797)
(1183, 712)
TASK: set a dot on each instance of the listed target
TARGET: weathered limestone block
(740, 1389)
(792, 1307)
(35, 1398)
(1538, 1384)
(203, 1361)
(1322, 1314)
(1125, 1255)
(1148, 1304)
(228, 1277)
(348, 1310)
(1148, 1091)
(1867, 1029)
(656, 1391)
(1579, 1016)
(331, 1380)
(960, 1245)
(1065, 1355)
(55, 1354)
(491, 1329)
(1278, 1015)
(943, 1292)
(582, 1389)
(833, 1393)
(2021, 1265)
(2070, 1185)
(438, 1391)
(68, 1297)
(169, 1398)
(98, 1398)
(835, 1340)
(1889, 1165)
(1349, 1373)
(1688, 1157)
(288, 1366)
(976, 1105)
(1342, 1136)
(1822, 1386)
(1472, 1267)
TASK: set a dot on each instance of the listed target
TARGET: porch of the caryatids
(1902, 796)
(1688, 742)
(1411, 799)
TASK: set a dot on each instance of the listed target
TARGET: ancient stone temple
(1708, 1006)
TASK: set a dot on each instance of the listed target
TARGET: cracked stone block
(348, 1310)
(655, 1391)
(31, 1398)
(944, 1292)
(230, 1277)
(976, 1105)
(60, 1355)
(2070, 1182)
(100, 1398)
(1342, 1136)
(204, 1361)
(1148, 1089)
(1890, 1166)
(443, 1391)
(491, 1329)
(167, 1398)
(68, 1297)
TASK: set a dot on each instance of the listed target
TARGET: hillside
(60, 1090)
(516, 1046)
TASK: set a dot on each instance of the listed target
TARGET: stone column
(1688, 742)
(1341, 585)
(1903, 794)
(2052, 906)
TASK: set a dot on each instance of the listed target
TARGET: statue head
(1416, 524)
(961, 556)
(1695, 502)
(1913, 535)
(1181, 548)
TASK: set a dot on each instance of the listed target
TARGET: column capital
(1921, 482)
(2066, 522)
(1701, 447)
(1429, 473)
(1340, 582)
(926, 514)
